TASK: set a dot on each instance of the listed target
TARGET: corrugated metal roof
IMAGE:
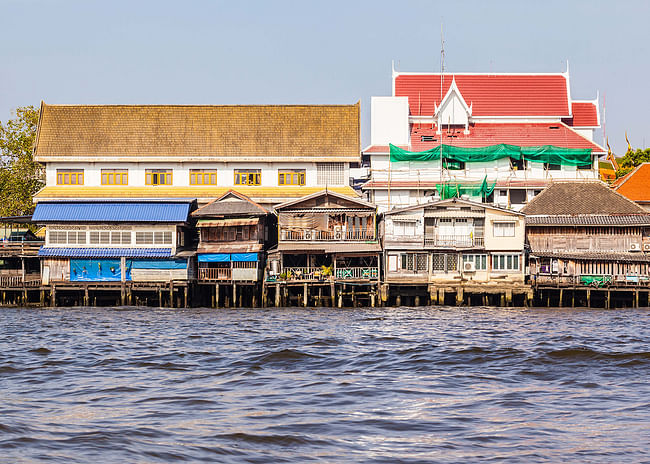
(93, 211)
(64, 252)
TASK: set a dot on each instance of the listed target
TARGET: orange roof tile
(636, 185)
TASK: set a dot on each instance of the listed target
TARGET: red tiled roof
(636, 185)
(489, 94)
(483, 135)
(381, 148)
(585, 114)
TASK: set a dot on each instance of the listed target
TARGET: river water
(324, 385)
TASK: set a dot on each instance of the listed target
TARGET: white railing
(326, 235)
(458, 241)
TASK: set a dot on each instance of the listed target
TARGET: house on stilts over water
(589, 246)
(328, 253)
(454, 252)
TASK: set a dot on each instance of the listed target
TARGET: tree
(632, 159)
(20, 176)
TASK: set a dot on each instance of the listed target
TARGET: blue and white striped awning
(66, 252)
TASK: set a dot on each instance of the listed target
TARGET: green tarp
(455, 189)
(541, 154)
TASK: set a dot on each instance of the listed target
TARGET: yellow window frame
(69, 177)
(248, 177)
(115, 177)
(154, 177)
(291, 177)
(203, 177)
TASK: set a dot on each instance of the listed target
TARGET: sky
(316, 52)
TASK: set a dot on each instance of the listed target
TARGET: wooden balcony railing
(215, 274)
(316, 273)
(454, 241)
(17, 281)
(326, 235)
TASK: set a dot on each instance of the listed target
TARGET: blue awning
(247, 257)
(214, 258)
(159, 264)
(111, 211)
(105, 252)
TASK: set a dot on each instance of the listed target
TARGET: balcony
(14, 281)
(215, 274)
(289, 235)
(316, 273)
(454, 241)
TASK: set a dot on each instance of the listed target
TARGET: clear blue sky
(245, 52)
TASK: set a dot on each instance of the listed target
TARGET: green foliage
(20, 176)
(632, 159)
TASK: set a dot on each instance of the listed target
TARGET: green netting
(541, 154)
(456, 189)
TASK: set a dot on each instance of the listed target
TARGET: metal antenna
(442, 71)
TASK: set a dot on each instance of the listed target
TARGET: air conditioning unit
(308, 235)
(646, 247)
(635, 247)
(469, 266)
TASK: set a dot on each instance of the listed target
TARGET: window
(115, 176)
(454, 165)
(552, 167)
(62, 237)
(504, 229)
(404, 228)
(330, 174)
(203, 177)
(480, 261)
(57, 237)
(413, 262)
(505, 262)
(158, 177)
(69, 176)
(518, 164)
(291, 177)
(585, 167)
(248, 177)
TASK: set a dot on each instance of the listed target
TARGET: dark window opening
(585, 167)
(552, 167)
(517, 197)
(518, 164)
(427, 138)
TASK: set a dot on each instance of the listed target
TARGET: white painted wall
(181, 172)
(389, 121)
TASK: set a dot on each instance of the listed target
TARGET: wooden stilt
(417, 300)
(573, 298)
(340, 294)
(86, 298)
(608, 301)
(171, 294)
(320, 296)
(53, 295)
(459, 296)
(186, 291)
(636, 298)
(398, 300)
(485, 299)
(588, 298)
(373, 297)
(354, 297)
(332, 293)
(561, 296)
(277, 295)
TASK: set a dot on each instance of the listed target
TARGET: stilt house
(233, 231)
(585, 234)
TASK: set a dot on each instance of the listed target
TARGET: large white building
(503, 138)
(271, 153)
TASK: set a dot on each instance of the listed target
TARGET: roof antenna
(442, 71)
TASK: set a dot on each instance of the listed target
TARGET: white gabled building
(528, 122)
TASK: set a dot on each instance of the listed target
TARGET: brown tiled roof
(230, 204)
(580, 198)
(590, 220)
(329, 132)
(594, 256)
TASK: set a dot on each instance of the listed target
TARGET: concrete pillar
(460, 296)
(277, 295)
(305, 295)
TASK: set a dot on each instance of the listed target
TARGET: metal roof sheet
(589, 220)
(93, 211)
(64, 252)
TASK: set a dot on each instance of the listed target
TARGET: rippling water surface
(324, 385)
